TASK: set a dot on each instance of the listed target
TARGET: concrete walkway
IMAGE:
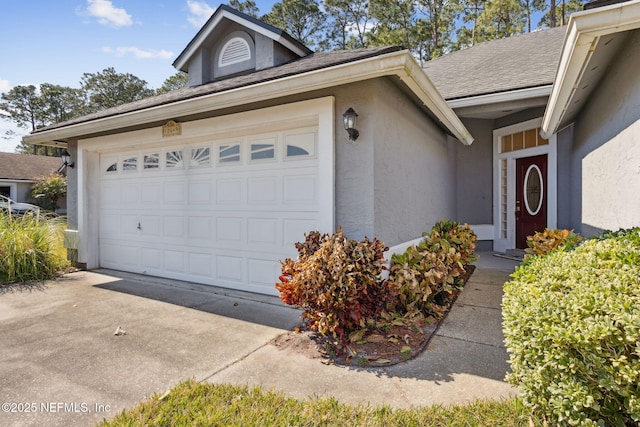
(62, 365)
(465, 359)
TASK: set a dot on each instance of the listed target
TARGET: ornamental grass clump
(336, 282)
(572, 330)
(31, 248)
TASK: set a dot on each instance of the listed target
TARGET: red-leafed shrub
(336, 282)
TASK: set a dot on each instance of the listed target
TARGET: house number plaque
(171, 129)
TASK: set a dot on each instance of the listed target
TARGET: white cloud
(108, 14)
(199, 13)
(138, 53)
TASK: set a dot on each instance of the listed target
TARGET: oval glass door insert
(533, 190)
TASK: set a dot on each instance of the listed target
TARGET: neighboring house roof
(594, 37)
(26, 167)
(514, 63)
(313, 72)
(226, 12)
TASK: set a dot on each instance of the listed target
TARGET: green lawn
(197, 404)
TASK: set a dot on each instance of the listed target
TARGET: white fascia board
(583, 31)
(239, 20)
(494, 98)
(400, 63)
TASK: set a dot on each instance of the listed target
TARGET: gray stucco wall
(474, 182)
(414, 168)
(354, 161)
(567, 199)
(605, 171)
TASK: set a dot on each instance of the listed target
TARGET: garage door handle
(139, 228)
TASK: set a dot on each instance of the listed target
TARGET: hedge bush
(572, 330)
(336, 282)
(425, 276)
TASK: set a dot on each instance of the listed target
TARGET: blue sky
(56, 41)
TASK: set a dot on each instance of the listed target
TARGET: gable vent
(234, 51)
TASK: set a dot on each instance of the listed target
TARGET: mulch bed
(381, 347)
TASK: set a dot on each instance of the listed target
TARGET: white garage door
(222, 212)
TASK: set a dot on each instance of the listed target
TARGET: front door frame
(504, 176)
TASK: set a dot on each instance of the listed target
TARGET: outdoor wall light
(350, 118)
(66, 159)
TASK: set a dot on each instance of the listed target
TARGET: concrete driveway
(62, 365)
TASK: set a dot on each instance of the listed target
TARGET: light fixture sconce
(66, 159)
(350, 118)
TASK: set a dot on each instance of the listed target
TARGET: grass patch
(31, 248)
(191, 403)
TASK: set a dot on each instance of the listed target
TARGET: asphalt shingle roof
(27, 166)
(315, 61)
(518, 62)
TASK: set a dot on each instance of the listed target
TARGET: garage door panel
(174, 261)
(300, 189)
(175, 192)
(174, 226)
(200, 193)
(230, 268)
(263, 231)
(151, 259)
(263, 190)
(229, 191)
(150, 225)
(150, 194)
(260, 270)
(200, 264)
(129, 226)
(109, 224)
(130, 194)
(229, 229)
(114, 255)
(201, 228)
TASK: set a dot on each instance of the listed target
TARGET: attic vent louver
(234, 51)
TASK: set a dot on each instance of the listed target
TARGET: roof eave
(584, 30)
(499, 97)
(399, 63)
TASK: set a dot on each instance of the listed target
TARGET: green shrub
(336, 282)
(572, 330)
(425, 276)
(31, 248)
(543, 242)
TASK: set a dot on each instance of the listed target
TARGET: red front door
(531, 197)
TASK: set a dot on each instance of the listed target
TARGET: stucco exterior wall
(567, 199)
(606, 149)
(414, 177)
(354, 161)
(474, 182)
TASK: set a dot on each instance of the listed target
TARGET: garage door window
(174, 159)
(130, 164)
(300, 145)
(200, 157)
(262, 151)
(229, 153)
(152, 161)
(112, 167)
